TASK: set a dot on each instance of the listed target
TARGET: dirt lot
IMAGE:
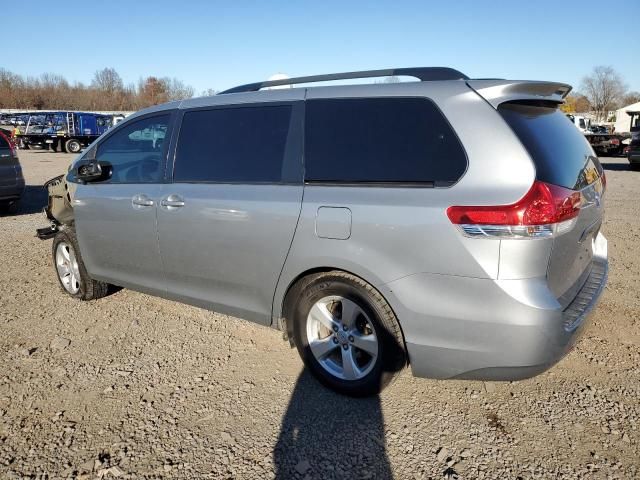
(133, 386)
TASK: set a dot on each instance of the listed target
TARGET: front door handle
(172, 201)
(141, 200)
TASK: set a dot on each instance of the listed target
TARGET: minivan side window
(380, 140)
(3, 142)
(135, 152)
(233, 145)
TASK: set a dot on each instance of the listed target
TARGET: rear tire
(70, 270)
(347, 334)
(73, 146)
(634, 166)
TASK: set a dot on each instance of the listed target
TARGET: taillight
(545, 210)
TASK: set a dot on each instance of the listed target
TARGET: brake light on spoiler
(545, 210)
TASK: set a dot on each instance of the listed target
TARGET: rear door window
(561, 153)
(3, 142)
(233, 145)
(380, 140)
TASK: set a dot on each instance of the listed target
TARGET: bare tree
(604, 89)
(630, 98)
(176, 89)
(107, 80)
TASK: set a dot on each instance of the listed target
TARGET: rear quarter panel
(397, 232)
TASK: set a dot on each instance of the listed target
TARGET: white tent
(623, 121)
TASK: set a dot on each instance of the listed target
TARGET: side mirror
(89, 172)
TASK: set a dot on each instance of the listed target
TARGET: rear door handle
(172, 201)
(141, 200)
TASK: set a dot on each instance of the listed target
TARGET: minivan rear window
(561, 153)
(380, 140)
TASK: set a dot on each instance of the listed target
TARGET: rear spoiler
(499, 91)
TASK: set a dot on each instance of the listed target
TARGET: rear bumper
(482, 329)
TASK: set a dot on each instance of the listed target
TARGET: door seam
(164, 272)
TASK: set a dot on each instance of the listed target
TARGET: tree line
(106, 91)
(600, 92)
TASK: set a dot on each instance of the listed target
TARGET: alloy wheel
(342, 337)
(67, 267)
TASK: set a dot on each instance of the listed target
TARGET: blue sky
(209, 44)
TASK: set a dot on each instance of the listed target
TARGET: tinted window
(3, 142)
(380, 140)
(245, 145)
(135, 152)
(561, 153)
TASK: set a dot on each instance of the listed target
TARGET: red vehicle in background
(8, 135)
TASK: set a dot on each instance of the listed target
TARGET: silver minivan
(447, 223)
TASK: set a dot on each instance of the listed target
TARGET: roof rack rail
(421, 73)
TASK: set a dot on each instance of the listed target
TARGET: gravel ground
(133, 386)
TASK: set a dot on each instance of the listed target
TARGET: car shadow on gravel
(327, 435)
(618, 166)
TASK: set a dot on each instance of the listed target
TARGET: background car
(11, 179)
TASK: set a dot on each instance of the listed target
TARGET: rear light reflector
(545, 210)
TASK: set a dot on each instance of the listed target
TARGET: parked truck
(66, 131)
(603, 142)
(633, 154)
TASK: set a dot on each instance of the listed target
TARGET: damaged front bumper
(58, 210)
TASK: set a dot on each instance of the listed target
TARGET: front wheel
(347, 334)
(70, 269)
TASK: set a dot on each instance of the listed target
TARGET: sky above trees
(219, 45)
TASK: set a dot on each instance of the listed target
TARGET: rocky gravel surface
(132, 386)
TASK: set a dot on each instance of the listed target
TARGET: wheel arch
(285, 303)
